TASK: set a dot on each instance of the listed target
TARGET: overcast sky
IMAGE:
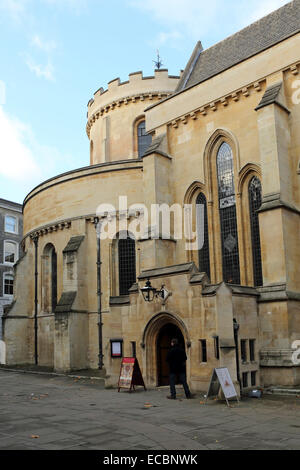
(56, 53)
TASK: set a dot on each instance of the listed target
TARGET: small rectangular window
(203, 350)
(245, 379)
(217, 348)
(253, 379)
(252, 350)
(10, 224)
(133, 346)
(244, 350)
(8, 285)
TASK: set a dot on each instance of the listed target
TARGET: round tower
(116, 115)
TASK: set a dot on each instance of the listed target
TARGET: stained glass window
(255, 201)
(144, 139)
(54, 279)
(204, 262)
(127, 264)
(228, 221)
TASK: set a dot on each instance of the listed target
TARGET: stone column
(224, 326)
(71, 320)
(279, 230)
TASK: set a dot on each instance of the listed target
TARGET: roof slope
(265, 33)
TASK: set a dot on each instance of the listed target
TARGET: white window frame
(17, 252)
(17, 224)
(5, 276)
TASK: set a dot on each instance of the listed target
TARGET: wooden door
(165, 336)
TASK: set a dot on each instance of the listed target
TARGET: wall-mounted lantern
(150, 293)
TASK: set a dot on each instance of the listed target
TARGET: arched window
(144, 139)
(49, 278)
(127, 263)
(10, 252)
(227, 209)
(255, 201)
(204, 262)
(53, 279)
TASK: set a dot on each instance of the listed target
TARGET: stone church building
(225, 136)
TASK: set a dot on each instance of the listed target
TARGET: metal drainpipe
(36, 242)
(97, 223)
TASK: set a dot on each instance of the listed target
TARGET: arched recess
(246, 173)
(223, 138)
(249, 225)
(150, 337)
(192, 192)
(49, 279)
(46, 318)
(210, 153)
(195, 195)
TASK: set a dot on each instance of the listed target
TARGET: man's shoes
(171, 398)
(190, 397)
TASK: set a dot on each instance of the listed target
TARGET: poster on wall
(222, 379)
(130, 374)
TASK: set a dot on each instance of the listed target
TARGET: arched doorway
(164, 337)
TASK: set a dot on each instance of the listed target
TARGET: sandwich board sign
(221, 378)
(130, 374)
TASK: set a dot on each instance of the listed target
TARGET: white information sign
(226, 383)
(221, 378)
(116, 349)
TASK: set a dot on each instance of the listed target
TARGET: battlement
(137, 85)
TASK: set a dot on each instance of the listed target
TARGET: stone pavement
(55, 413)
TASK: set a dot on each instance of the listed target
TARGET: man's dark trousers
(182, 379)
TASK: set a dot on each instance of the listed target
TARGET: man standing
(176, 358)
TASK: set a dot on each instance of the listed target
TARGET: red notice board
(130, 374)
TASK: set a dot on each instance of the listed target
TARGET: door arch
(151, 340)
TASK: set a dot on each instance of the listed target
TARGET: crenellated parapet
(111, 105)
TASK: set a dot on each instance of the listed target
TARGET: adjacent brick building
(11, 230)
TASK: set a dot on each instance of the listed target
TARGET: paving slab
(74, 414)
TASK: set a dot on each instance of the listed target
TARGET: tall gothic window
(49, 276)
(228, 221)
(144, 139)
(54, 279)
(255, 201)
(204, 262)
(127, 264)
